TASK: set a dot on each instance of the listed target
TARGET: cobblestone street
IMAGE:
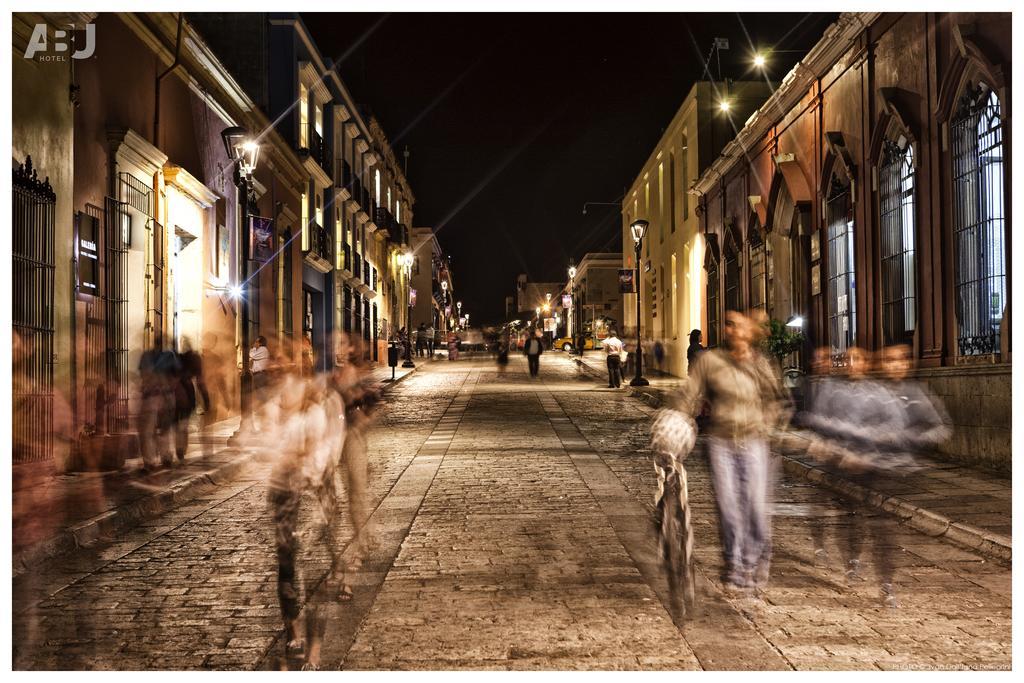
(512, 523)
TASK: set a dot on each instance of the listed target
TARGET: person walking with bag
(613, 347)
(746, 405)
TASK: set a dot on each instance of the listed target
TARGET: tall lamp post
(639, 229)
(444, 308)
(243, 152)
(458, 305)
(572, 304)
(407, 261)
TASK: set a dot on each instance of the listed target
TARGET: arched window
(733, 300)
(842, 314)
(978, 233)
(898, 221)
(758, 271)
(714, 298)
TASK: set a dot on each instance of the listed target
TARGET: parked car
(568, 344)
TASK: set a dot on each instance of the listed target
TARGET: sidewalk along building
(144, 226)
(871, 196)
(127, 221)
(355, 203)
(673, 251)
(43, 250)
(429, 270)
(597, 302)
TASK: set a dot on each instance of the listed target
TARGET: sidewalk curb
(995, 546)
(991, 545)
(120, 519)
(109, 523)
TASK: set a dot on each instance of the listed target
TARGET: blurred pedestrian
(453, 346)
(693, 350)
(430, 333)
(746, 405)
(188, 388)
(613, 350)
(503, 342)
(421, 340)
(306, 439)
(533, 348)
(866, 428)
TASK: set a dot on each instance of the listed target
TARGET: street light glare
(724, 105)
(236, 292)
(758, 60)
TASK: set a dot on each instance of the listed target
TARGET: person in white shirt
(259, 361)
(259, 356)
(613, 347)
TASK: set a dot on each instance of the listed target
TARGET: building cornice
(131, 147)
(207, 77)
(837, 40)
(190, 185)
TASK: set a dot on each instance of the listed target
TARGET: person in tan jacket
(746, 404)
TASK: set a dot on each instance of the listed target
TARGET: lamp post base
(408, 364)
(639, 382)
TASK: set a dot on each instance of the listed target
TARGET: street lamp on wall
(243, 152)
(570, 328)
(638, 230)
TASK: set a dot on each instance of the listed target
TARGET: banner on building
(412, 298)
(566, 301)
(625, 281)
(549, 325)
(88, 255)
(261, 238)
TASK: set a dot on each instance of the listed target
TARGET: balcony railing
(315, 146)
(319, 242)
(399, 233)
(366, 273)
(347, 256)
(343, 176)
(364, 201)
(357, 264)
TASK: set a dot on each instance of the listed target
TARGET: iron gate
(978, 229)
(897, 242)
(841, 285)
(116, 236)
(32, 315)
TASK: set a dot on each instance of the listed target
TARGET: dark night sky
(513, 121)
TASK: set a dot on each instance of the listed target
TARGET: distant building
(598, 303)
(430, 269)
(533, 295)
(673, 253)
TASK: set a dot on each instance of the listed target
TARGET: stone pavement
(57, 514)
(966, 505)
(512, 520)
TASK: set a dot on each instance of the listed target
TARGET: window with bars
(714, 296)
(32, 246)
(978, 221)
(758, 272)
(841, 282)
(732, 281)
(898, 223)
